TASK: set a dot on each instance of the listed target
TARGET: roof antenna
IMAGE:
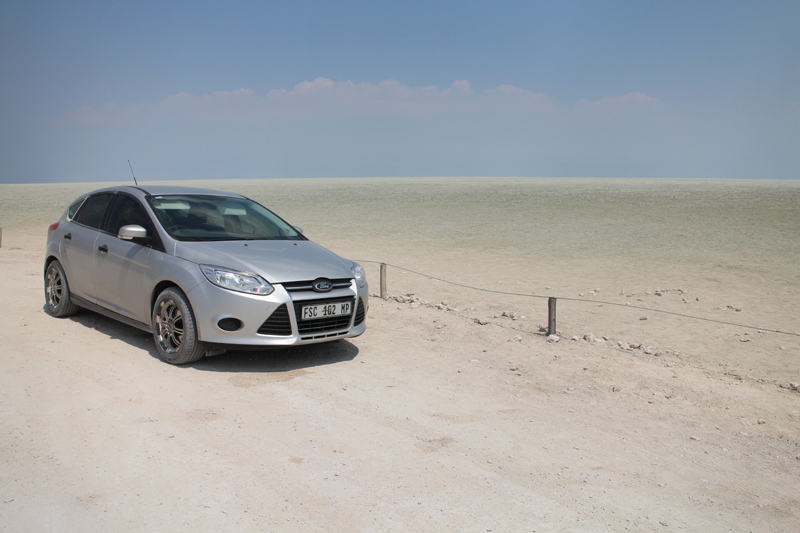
(134, 175)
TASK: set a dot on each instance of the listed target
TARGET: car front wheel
(57, 300)
(174, 329)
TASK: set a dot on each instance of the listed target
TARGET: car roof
(163, 190)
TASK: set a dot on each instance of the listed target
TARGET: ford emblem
(322, 285)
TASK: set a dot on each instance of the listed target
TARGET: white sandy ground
(428, 422)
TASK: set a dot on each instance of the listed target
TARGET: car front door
(121, 266)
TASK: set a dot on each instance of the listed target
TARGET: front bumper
(232, 318)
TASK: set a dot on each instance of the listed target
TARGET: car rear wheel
(174, 329)
(56, 292)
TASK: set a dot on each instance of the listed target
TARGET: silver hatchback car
(203, 270)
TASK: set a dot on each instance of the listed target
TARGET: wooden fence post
(551, 316)
(383, 281)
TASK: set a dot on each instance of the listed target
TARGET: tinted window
(128, 210)
(74, 208)
(93, 209)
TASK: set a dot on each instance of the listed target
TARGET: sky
(263, 89)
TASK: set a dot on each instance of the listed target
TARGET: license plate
(310, 312)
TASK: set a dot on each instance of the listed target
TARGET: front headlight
(359, 274)
(237, 281)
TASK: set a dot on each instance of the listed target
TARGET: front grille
(278, 323)
(361, 313)
(294, 286)
(325, 325)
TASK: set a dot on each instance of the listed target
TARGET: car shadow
(251, 360)
(279, 359)
(115, 330)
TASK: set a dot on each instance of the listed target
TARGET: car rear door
(79, 245)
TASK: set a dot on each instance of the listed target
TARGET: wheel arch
(159, 288)
(49, 259)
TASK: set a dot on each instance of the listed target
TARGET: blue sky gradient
(258, 89)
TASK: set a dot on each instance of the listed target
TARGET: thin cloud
(320, 98)
(628, 102)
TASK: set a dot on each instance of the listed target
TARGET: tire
(57, 300)
(174, 329)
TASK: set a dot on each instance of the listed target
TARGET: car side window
(74, 208)
(128, 210)
(93, 209)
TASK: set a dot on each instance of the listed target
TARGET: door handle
(103, 249)
(68, 237)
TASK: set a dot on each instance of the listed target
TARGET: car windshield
(219, 218)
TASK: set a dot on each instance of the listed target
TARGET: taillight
(53, 227)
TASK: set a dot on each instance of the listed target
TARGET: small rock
(553, 338)
(694, 438)
(588, 337)
(542, 327)
(575, 338)
(624, 345)
(643, 318)
(794, 386)
(481, 321)
(697, 299)
(762, 421)
(744, 339)
(648, 350)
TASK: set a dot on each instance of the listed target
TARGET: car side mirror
(134, 233)
(298, 229)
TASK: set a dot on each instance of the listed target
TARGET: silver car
(203, 270)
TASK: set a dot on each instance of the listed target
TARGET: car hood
(275, 261)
